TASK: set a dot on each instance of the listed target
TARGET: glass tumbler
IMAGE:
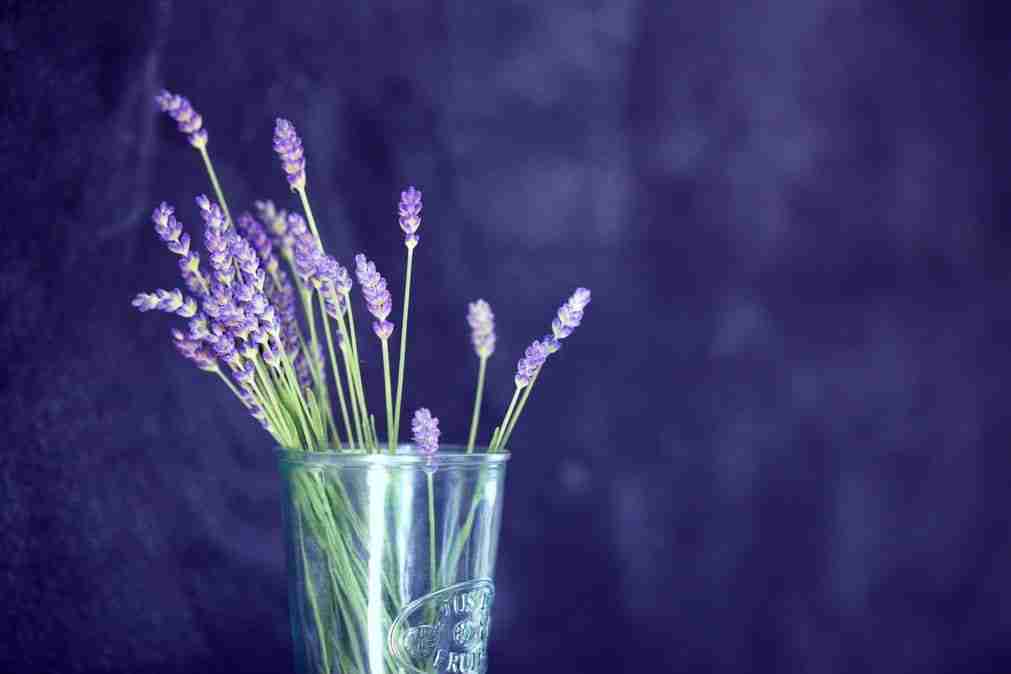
(391, 559)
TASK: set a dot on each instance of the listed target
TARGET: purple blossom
(188, 120)
(330, 279)
(377, 297)
(276, 222)
(530, 364)
(288, 146)
(170, 301)
(482, 328)
(570, 313)
(217, 240)
(426, 432)
(255, 233)
(410, 215)
(306, 252)
(193, 350)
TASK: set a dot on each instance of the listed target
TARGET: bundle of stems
(299, 372)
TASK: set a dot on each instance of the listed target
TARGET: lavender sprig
(191, 123)
(189, 120)
(288, 147)
(570, 313)
(482, 336)
(380, 304)
(176, 240)
(425, 428)
(410, 215)
(567, 319)
(481, 320)
(170, 301)
(377, 297)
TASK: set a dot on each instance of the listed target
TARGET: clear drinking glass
(391, 559)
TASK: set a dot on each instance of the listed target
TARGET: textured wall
(777, 444)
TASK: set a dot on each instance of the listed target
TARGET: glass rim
(448, 455)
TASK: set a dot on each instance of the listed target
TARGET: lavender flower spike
(410, 215)
(482, 327)
(531, 362)
(288, 146)
(189, 121)
(570, 314)
(170, 301)
(426, 432)
(377, 297)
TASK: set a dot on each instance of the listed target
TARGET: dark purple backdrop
(778, 442)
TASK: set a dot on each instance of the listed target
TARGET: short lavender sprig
(176, 240)
(288, 147)
(409, 209)
(425, 428)
(377, 297)
(570, 314)
(426, 438)
(189, 120)
(170, 301)
(380, 304)
(482, 336)
(481, 320)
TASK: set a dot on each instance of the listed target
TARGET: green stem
(389, 396)
(505, 420)
(308, 214)
(519, 410)
(477, 404)
(401, 363)
(431, 529)
(359, 383)
(214, 182)
(336, 373)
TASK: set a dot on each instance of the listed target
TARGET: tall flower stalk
(409, 211)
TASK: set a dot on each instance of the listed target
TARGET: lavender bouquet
(389, 571)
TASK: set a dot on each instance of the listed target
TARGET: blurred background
(777, 443)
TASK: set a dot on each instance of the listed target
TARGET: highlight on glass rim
(360, 506)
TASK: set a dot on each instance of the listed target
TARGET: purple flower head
(194, 351)
(217, 240)
(426, 432)
(244, 254)
(276, 222)
(288, 146)
(531, 362)
(570, 313)
(189, 122)
(254, 232)
(328, 280)
(482, 327)
(170, 301)
(307, 254)
(377, 297)
(410, 215)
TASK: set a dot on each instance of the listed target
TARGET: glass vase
(391, 559)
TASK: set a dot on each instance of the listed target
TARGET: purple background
(778, 443)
